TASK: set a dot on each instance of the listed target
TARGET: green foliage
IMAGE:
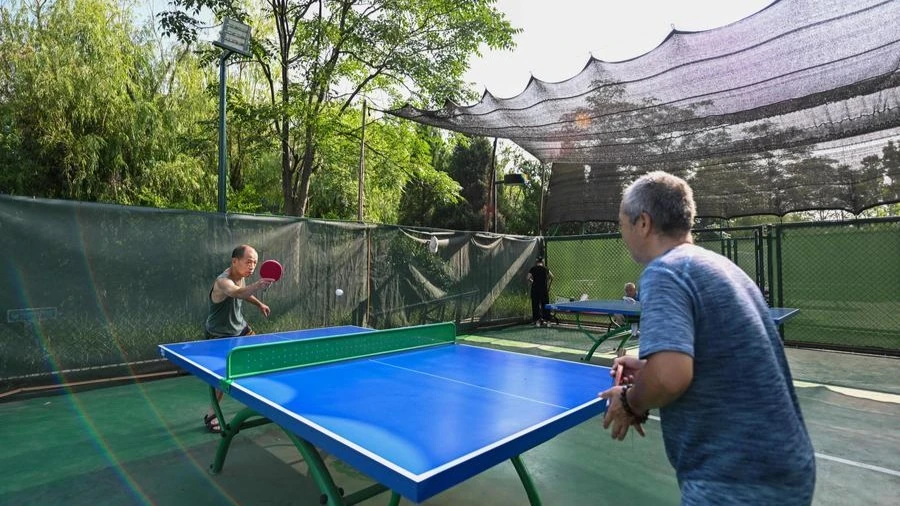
(427, 198)
(74, 101)
(91, 113)
(97, 109)
(326, 55)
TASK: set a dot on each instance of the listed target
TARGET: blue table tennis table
(628, 325)
(411, 408)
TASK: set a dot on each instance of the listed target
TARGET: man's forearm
(662, 380)
(253, 300)
(643, 397)
(246, 292)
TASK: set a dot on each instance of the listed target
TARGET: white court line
(469, 384)
(839, 460)
(858, 464)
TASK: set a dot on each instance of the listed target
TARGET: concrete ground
(144, 443)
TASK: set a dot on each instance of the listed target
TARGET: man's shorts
(246, 332)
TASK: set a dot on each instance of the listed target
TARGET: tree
(322, 55)
(427, 198)
(89, 112)
(428, 192)
(75, 98)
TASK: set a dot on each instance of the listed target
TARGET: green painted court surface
(145, 443)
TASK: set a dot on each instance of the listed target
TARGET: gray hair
(666, 198)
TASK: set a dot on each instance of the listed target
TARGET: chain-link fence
(843, 276)
(90, 290)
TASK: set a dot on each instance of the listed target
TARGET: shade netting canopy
(796, 107)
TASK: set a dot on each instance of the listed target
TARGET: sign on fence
(30, 314)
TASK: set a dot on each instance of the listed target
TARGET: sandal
(212, 423)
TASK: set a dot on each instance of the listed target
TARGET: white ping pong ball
(339, 292)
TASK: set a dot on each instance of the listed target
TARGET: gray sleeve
(667, 313)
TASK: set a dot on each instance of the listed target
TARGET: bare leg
(210, 419)
(219, 395)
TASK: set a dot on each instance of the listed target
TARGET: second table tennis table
(409, 407)
(629, 325)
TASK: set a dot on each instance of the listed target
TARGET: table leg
(533, 497)
(598, 340)
(624, 330)
(230, 430)
(332, 495)
(318, 471)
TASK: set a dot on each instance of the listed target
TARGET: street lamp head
(513, 179)
(234, 37)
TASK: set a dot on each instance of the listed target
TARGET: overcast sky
(559, 36)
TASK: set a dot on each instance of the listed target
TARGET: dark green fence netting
(90, 290)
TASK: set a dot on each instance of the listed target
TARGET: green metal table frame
(332, 495)
(623, 332)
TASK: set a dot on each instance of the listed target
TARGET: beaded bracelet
(624, 397)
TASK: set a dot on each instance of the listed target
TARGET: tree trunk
(287, 172)
(306, 170)
(287, 169)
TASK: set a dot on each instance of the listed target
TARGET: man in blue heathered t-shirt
(711, 360)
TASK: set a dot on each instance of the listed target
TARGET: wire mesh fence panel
(743, 246)
(845, 277)
(474, 277)
(103, 271)
(594, 266)
(590, 267)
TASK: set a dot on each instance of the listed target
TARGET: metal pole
(494, 183)
(770, 230)
(362, 167)
(223, 153)
(544, 184)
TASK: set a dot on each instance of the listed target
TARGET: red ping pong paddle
(617, 381)
(270, 269)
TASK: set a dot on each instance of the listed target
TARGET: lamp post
(234, 38)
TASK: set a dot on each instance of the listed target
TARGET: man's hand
(262, 283)
(616, 415)
(264, 309)
(632, 368)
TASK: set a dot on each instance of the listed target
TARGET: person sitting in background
(631, 292)
(631, 295)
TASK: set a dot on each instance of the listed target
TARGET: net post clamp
(225, 384)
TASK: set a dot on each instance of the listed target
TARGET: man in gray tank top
(711, 360)
(226, 297)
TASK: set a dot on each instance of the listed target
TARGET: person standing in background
(540, 279)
